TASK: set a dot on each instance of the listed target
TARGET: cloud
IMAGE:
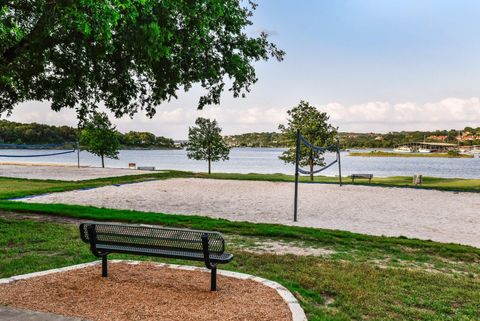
(169, 121)
(377, 116)
(384, 116)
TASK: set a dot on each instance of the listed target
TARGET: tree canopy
(130, 55)
(18, 133)
(205, 142)
(314, 126)
(144, 140)
(99, 137)
(39, 134)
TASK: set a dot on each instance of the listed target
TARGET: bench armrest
(92, 238)
(206, 252)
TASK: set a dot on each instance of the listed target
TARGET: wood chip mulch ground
(145, 292)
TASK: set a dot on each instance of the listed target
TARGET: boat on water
(424, 150)
(402, 149)
(475, 152)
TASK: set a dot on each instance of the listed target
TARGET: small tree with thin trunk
(99, 137)
(205, 142)
(314, 126)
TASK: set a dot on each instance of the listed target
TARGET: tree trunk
(311, 170)
(103, 162)
(209, 158)
(311, 165)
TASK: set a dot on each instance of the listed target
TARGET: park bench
(146, 168)
(366, 176)
(107, 238)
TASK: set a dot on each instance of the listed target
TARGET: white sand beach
(62, 172)
(424, 214)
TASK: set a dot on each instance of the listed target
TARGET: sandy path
(64, 173)
(424, 214)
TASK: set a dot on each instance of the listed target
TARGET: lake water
(265, 160)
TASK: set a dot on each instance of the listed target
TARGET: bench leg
(104, 266)
(213, 281)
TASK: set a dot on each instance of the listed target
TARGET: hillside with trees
(467, 136)
(35, 134)
(256, 140)
(39, 134)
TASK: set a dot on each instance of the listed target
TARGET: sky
(372, 65)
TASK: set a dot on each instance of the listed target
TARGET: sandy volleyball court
(62, 172)
(424, 214)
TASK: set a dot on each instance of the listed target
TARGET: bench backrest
(142, 236)
(362, 175)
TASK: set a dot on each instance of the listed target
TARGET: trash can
(417, 179)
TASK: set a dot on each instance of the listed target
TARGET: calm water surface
(265, 160)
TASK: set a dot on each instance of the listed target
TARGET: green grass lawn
(19, 187)
(446, 184)
(362, 277)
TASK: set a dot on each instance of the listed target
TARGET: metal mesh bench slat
(167, 243)
(155, 236)
(139, 238)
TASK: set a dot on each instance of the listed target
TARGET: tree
(99, 137)
(205, 142)
(129, 54)
(314, 126)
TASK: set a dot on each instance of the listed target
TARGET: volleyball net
(301, 142)
(38, 150)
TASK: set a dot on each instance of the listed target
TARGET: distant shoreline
(68, 147)
(391, 154)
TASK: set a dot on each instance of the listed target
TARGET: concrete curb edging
(297, 312)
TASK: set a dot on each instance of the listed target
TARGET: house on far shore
(439, 138)
(467, 136)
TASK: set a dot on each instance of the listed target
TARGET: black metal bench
(367, 176)
(107, 238)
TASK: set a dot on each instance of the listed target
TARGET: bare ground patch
(145, 292)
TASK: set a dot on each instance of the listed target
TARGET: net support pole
(297, 160)
(339, 163)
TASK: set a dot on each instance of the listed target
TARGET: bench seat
(221, 258)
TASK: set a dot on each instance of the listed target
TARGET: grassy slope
(364, 278)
